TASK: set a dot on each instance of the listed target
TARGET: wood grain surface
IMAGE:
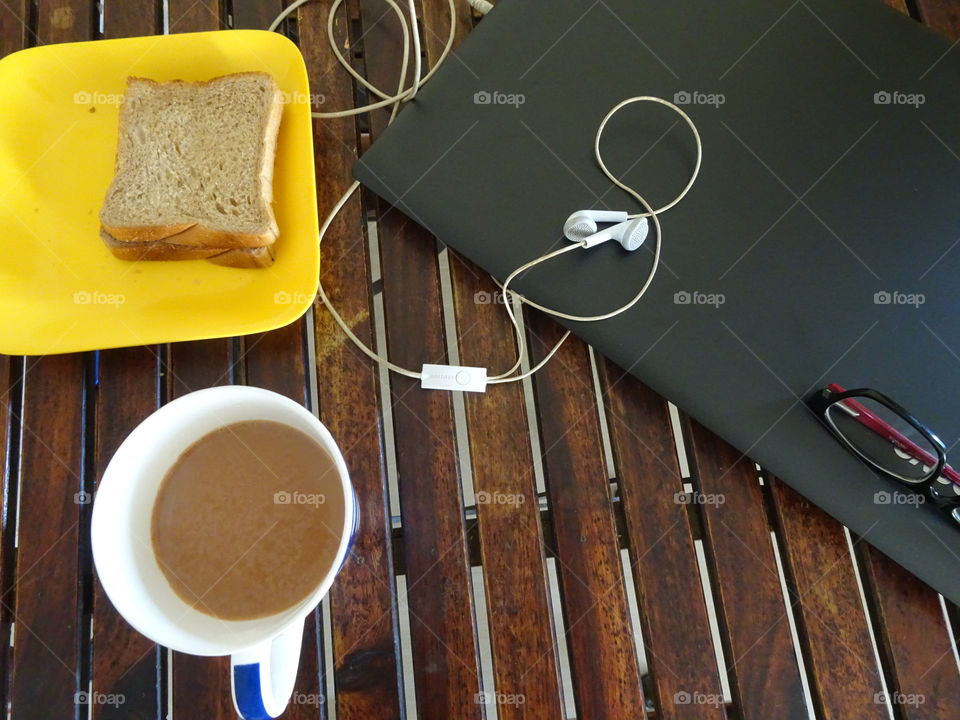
(603, 657)
(764, 672)
(364, 621)
(676, 630)
(439, 598)
(827, 602)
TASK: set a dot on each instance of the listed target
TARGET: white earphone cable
(650, 212)
(629, 190)
(401, 95)
(405, 95)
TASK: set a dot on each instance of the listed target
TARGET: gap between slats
(12, 387)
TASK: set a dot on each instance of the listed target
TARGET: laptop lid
(818, 246)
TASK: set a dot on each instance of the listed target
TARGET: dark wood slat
(511, 539)
(673, 613)
(765, 676)
(8, 388)
(46, 602)
(194, 15)
(382, 46)
(197, 365)
(942, 15)
(9, 437)
(13, 36)
(363, 616)
(446, 671)
(915, 639)
(276, 360)
(45, 619)
(14, 30)
(201, 686)
(436, 26)
(831, 620)
(130, 18)
(438, 580)
(255, 14)
(125, 663)
(46, 660)
(61, 21)
(603, 659)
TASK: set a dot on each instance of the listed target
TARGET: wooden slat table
(525, 553)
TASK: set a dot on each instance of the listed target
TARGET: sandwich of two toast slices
(194, 172)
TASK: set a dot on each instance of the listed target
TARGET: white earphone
(629, 230)
(583, 223)
(581, 227)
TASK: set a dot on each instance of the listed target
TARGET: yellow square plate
(61, 290)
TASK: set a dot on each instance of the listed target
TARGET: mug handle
(263, 677)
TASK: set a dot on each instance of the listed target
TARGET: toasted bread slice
(195, 163)
(259, 257)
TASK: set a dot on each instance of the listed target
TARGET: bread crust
(250, 258)
(259, 257)
(192, 234)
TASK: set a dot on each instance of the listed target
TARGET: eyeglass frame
(823, 399)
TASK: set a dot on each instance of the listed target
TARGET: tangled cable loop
(511, 299)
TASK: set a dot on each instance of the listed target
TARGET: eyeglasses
(892, 441)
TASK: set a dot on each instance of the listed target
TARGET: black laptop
(820, 245)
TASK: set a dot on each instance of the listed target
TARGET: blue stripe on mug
(247, 693)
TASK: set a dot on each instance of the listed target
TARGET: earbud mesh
(580, 230)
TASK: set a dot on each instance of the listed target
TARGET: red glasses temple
(888, 432)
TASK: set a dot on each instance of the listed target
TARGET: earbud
(583, 223)
(630, 234)
(581, 227)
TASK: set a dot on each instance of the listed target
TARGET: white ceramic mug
(265, 652)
